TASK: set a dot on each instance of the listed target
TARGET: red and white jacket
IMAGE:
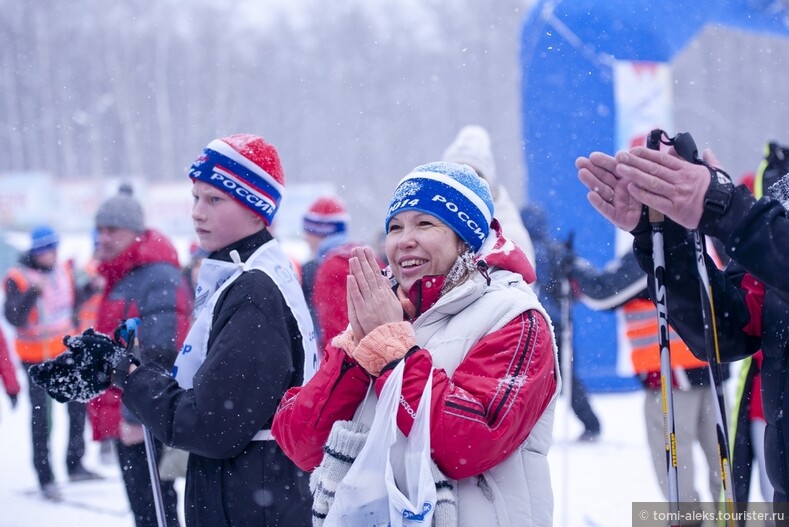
(495, 381)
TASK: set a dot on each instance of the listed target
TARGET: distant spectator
(192, 269)
(324, 277)
(40, 302)
(552, 265)
(143, 279)
(472, 147)
(622, 284)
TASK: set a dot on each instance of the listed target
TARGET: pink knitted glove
(383, 345)
(345, 341)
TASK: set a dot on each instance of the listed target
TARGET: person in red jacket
(458, 305)
(142, 279)
(324, 277)
(8, 372)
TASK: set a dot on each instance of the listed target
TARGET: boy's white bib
(214, 277)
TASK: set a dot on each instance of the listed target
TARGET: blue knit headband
(323, 227)
(453, 193)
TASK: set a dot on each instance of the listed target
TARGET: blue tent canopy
(567, 52)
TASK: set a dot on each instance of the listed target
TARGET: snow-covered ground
(594, 484)
(86, 504)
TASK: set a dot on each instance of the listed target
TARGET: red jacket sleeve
(306, 414)
(7, 371)
(489, 406)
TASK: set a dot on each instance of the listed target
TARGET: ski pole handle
(126, 332)
(653, 143)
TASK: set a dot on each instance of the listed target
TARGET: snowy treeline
(352, 92)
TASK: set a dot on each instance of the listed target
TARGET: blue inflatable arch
(567, 51)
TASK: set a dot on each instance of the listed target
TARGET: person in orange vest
(40, 299)
(90, 289)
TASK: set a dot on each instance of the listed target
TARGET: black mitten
(82, 372)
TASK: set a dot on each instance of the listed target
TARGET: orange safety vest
(642, 332)
(41, 337)
(88, 311)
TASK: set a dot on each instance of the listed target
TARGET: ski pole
(714, 369)
(685, 147)
(566, 361)
(567, 328)
(666, 380)
(153, 471)
(128, 330)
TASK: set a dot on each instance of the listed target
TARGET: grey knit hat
(122, 212)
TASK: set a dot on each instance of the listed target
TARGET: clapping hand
(373, 311)
(608, 190)
(371, 301)
(666, 182)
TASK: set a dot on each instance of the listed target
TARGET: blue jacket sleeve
(162, 307)
(610, 287)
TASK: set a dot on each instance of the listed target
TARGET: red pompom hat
(325, 217)
(245, 167)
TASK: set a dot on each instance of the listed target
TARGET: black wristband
(121, 370)
(392, 364)
(718, 196)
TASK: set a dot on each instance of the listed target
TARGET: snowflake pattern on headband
(406, 190)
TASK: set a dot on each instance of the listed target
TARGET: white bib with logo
(216, 276)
